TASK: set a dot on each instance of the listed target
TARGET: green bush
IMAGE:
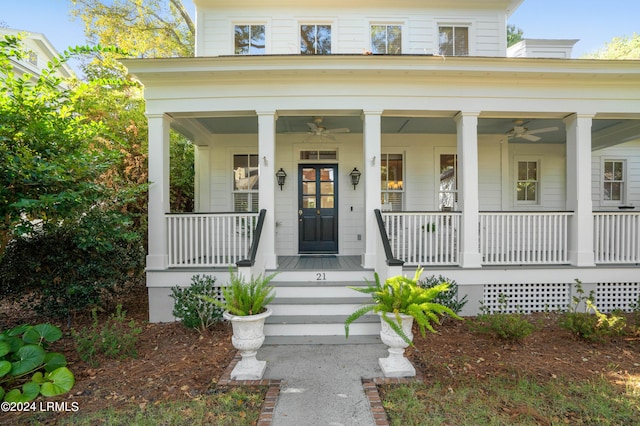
(448, 298)
(512, 327)
(28, 368)
(74, 266)
(191, 309)
(591, 324)
(116, 338)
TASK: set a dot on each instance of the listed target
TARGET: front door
(318, 208)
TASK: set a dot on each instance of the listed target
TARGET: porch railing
(424, 238)
(616, 237)
(508, 238)
(209, 239)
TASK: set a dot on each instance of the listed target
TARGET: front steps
(311, 307)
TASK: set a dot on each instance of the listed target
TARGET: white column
(579, 189)
(267, 159)
(467, 132)
(158, 191)
(371, 175)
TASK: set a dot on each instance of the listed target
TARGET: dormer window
(315, 39)
(33, 58)
(249, 40)
(454, 40)
(386, 39)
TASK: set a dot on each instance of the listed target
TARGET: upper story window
(454, 40)
(315, 39)
(613, 182)
(386, 39)
(33, 58)
(249, 40)
(527, 184)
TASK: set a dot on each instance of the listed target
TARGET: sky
(594, 22)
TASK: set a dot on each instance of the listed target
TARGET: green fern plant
(402, 295)
(244, 298)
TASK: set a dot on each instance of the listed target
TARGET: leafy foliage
(402, 295)
(447, 298)
(590, 324)
(28, 368)
(244, 298)
(73, 266)
(625, 47)
(191, 309)
(116, 338)
(512, 327)
(147, 28)
(514, 35)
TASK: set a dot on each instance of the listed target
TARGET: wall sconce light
(281, 175)
(355, 177)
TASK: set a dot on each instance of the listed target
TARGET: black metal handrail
(254, 244)
(391, 261)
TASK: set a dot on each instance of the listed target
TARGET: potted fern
(245, 306)
(399, 301)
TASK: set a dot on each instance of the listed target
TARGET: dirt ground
(177, 363)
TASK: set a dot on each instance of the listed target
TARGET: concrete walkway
(322, 384)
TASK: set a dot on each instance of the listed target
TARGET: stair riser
(321, 276)
(323, 292)
(355, 329)
(313, 309)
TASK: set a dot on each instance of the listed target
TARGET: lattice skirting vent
(612, 296)
(526, 298)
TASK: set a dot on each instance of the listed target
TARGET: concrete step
(321, 329)
(323, 340)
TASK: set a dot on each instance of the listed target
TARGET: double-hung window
(315, 39)
(386, 39)
(392, 182)
(453, 40)
(613, 182)
(250, 40)
(528, 182)
(448, 190)
(245, 183)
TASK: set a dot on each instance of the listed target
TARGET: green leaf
(54, 360)
(60, 381)
(40, 332)
(5, 367)
(38, 377)
(5, 348)
(29, 357)
(30, 391)
(1, 393)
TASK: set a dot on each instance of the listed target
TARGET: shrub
(28, 368)
(448, 298)
(116, 338)
(512, 327)
(191, 309)
(73, 266)
(591, 324)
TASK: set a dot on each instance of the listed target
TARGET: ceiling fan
(318, 129)
(519, 131)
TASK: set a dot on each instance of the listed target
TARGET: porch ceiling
(605, 131)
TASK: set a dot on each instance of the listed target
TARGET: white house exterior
(509, 175)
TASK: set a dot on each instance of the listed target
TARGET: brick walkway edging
(369, 385)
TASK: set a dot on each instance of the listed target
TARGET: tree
(144, 28)
(514, 35)
(625, 47)
(51, 155)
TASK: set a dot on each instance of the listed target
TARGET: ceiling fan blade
(529, 137)
(544, 130)
(339, 130)
(313, 127)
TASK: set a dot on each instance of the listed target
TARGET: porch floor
(319, 262)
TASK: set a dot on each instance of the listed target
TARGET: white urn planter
(248, 337)
(396, 364)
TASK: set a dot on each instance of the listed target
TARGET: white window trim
(232, 191)
(470, 24)
(436, 173)
(625, 186)
(527, 203)
(316, 21)
(403, 191)
(403, 29)
(267, 34)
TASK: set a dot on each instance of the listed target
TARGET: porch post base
(581, 258)
(157, 261)
(368, 260)
(396, 365)
(471, 260)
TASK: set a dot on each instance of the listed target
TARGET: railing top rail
(252, 214)
(527, 213)
(616, 213)
(407, 213)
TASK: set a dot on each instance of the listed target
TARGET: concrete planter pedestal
(248, 337)
(396, 364)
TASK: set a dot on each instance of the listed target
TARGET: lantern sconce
(281, 175)
(355, 177)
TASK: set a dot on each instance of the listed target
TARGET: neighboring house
(509, 175)
(39, 53)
